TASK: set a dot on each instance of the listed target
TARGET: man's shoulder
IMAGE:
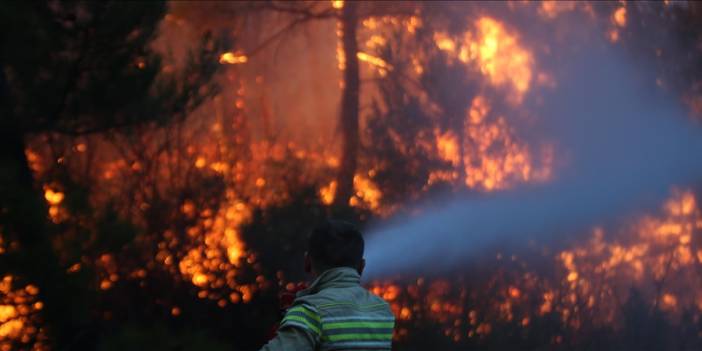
(357, 298)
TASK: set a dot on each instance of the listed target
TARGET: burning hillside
(201, 214)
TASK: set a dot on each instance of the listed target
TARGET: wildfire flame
(233, 58)
(487, 170)
(593, 277)
(19, 316)
(486, 155)
(496, 52)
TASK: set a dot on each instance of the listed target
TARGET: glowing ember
(19, 317)
(551, 8)
(327, 193)
(337, 4)
(449, 150)
(53, 197)
(222, 248)
(375, 61)
(619, 17)
(500, 56)
(233, 58)
(512, 162)
(367, 194)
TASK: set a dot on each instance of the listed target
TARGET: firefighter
(335, 312)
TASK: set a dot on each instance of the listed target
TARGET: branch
(89, 130)
(74, 71)
(380, 9)
(305, 14)
(659, 284)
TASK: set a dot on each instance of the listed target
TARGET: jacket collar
(340, 277)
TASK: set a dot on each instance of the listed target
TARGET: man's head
(334, 244)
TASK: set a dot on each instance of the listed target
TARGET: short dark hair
(335, 243)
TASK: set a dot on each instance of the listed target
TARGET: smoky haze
(623, 144)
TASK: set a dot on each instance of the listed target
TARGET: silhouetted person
(335, 312)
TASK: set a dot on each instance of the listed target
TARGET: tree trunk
(349, 107)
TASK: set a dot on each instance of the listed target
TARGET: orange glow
(619, 17)
(221, 249)
(590, 274)
(74, 268)
(603, 266)
(232, 58)
(443, 42)
(500, 56)
(490, 168)
(199, 279)
(497, 53)
(447, 143)
(200, 162)
(175, 311)
(483, 154)
(377, 62)
(7, 312)
(340, 58)
(572, 276)
(367, 194)
(105, 285)
(375, 41)
(669, 301)
(188, 208)
(53, 197)
(327, 193)
(19, 315)
(551, 8)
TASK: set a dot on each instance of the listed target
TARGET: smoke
(625, 144)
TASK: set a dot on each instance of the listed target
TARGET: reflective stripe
(360, 337)
(300, 322)
(354, 319)
(301, 316)
(329, 332)
(359, 328)
(295, 324)
(351, 304)
(358, 331)
(364, 324)
(304, 312)
(358, 345)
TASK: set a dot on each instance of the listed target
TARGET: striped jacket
(335, 313)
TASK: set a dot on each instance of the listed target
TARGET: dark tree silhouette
(76, 69)
(348, 122)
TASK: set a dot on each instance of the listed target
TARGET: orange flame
(232, 58)
(497, 53)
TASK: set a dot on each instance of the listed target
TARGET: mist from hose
(625, 142)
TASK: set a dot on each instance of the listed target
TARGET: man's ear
(308, 263)
(361, 266)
